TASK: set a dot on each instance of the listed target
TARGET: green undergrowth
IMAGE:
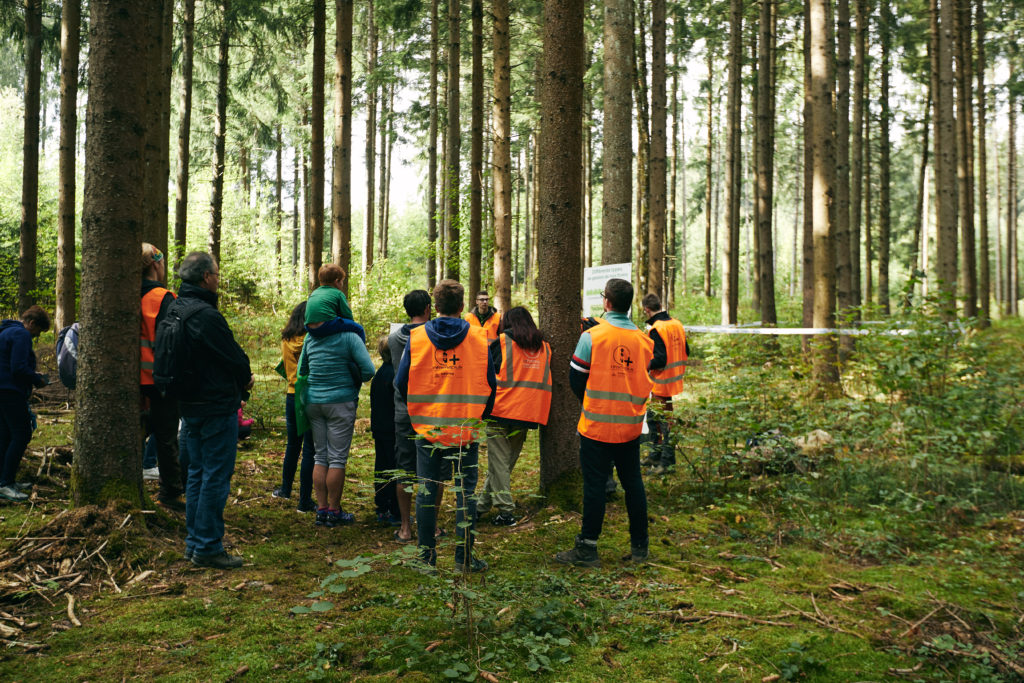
(892, 549)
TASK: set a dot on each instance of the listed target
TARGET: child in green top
(327, 310)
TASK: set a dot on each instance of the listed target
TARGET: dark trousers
(596, 460)
(431, 464)
(161, 421)
(15, 433)
(384, 481)
(291, 455)
(659, 421)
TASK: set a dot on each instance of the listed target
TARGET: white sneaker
(151, 474)
(11, 493)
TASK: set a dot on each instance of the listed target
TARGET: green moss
(566, 492)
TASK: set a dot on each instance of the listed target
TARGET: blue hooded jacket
(17, 359)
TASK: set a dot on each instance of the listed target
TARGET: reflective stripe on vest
(448, 389)
(524, 387)
(668, 381)
(151, 301)
(618, 387)
(491, 326)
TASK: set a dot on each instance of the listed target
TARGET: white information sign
(594, 280)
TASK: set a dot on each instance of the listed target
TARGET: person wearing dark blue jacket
(17, 378)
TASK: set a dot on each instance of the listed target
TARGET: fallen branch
(71, 610)
(29, 647)
(917, 624)
(753, 620)
(769, 561)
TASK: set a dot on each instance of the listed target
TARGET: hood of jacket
(446, 333)
(8, 323)
(197, 292)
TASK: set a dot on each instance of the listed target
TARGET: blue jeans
(212, 444)
(430, 467)
(149, 460)
(291, 455)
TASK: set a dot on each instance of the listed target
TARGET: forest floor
(868, 557)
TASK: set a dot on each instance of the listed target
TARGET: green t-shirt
(327, 303)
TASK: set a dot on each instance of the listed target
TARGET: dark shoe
(504, 519)
(650, 461)
(220, 561)
(188, 554)
(425, 564)
(582, 554)
(172, 502)
(280, 492)
(308, 506)
(638, 554)
(388, 519)
(321, 517)
(474, 566)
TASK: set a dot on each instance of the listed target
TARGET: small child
(382, 426)
(327, 310)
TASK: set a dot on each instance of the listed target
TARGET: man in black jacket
(222, 379)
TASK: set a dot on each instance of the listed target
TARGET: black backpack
(174, 373)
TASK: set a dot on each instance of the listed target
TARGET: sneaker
(308, 506)
(172, 502)
(321, 517)
(189, 552)
(151, 474)
(650, 461)
(345, 517)
(219, 561)
(11, 493)
(582, 554)
(388, 519)
(474, 566)
(504, 519)
(638, 554)
(280, 492)
(22, 486)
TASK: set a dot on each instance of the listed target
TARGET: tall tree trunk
(765, 164)
(826, 372)
(708, 176)
(884, 163)
(30, 157)
(965, 147)
(70, 26)
(616, 223)
(278, 203)
(156, 150)
(452, 168)
(107, 454)
(382, 173)
(476, 144)
(341, 176)
(643, 156)
(371, 140)
(984, 273)
(530, 196)
(559, 304)
(922, 175)
(386, 220)
(184, 127)
(502, 118)
(857, 153)
(945, 163)
(673, 249)
(296, 198)
(220, 132)
(869, 250)
(844, 279)
(1011, 277)
(659, 116)
(315, 186)
(432, 154)
(807, 243)
(731, 262)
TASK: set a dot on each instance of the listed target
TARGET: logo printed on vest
(622, 357)
(446, 359)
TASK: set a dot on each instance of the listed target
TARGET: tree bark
(708, 176)
(30, 157)
(657, 174)
(184, 128)
(220, 132)
(452, 169)
(341, 176)
(765, 164)
(643, 155)
(731, 262)
(1011, 276)
(857, 153)
(965, 147)
(616, 222)
(502, 121)
(559, 284)
(70, 27)
(432, 251)
(945, 163)
(844, 280)
(884, 161)
(371, 140)
(157, 161)
(984, 271)
(278, 204)
(107, 463)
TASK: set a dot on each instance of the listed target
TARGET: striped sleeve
(581, 356)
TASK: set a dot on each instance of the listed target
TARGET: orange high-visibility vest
(668, 381)
(524, 386)
(447, 387)
(491, 326)
(618, 387)
(147, 336)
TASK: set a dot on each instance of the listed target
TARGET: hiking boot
(638, 554)
(219, 561)
(151, 474)
(582, 554)
(504, 519)
(308, 506)
(474, 566)
(172, 502)
(13, 494)
(281, 492)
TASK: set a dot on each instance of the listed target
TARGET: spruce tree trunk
(559, 304)
(945, 163)
(922, 176)
(70, 27)
(643, 155)
(857, 154)
(502, 116)
(278, 204)
(657, 175)
(371, 140)
(765, 165)
(341, 176)
(107, 463)
(184, 127)
(1011, 276)
(731, 262)
(382, 174)
(219, 133)
(616, 221)
(844, 284)
(30, 157)
(984, 271)
(454, 132)
(157, 159)
(884, 162)
(708, 175)
(673, 249)
(965, 147)
(315, 185)
(476, 144)
(807, 243)
(432, 252)
(296, 198)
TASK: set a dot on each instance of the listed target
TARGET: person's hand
(252, 381)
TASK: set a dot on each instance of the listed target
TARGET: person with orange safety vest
(608, 373)
(522, 363)
(447, 381)
(666, 369)
(159, 413)
(484, 315)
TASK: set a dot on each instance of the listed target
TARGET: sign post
(594, 280)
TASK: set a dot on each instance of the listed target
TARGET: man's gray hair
(195, 266)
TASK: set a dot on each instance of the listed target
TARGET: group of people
(446, 382)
